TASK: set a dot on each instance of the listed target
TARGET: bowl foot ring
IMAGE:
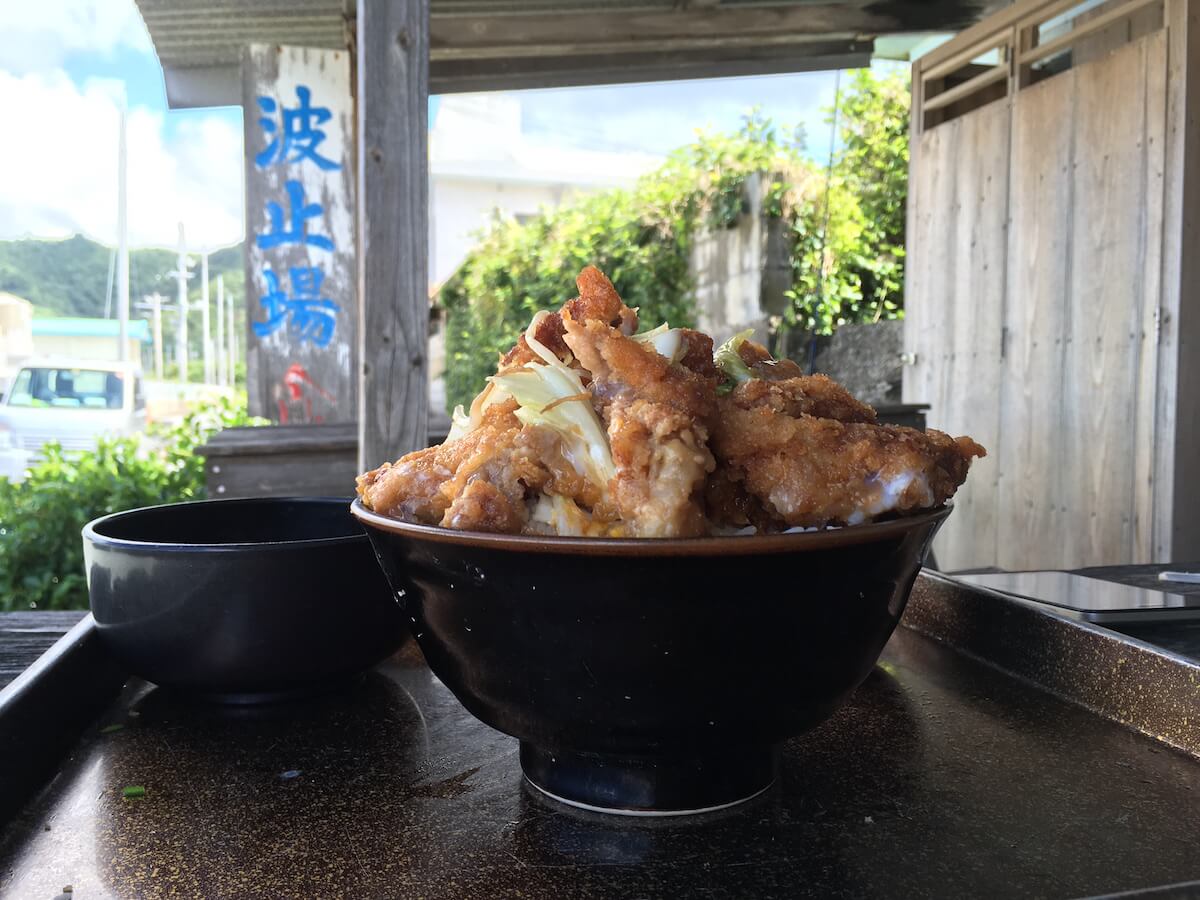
(650, 786)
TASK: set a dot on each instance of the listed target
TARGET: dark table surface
(942, 777)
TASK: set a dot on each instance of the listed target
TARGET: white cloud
(60, 167)
(37, 36)
(661, 116)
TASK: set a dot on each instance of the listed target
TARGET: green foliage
(518, 270)
(70, 278)
(845, 234)
(640, 238)
(41, 552)
(864, 264)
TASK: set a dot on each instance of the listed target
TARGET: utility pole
(221, 359)
(154, 303)
(156, 299)
(232, 345)
(122, 249)
(181, 335)
(204, 324)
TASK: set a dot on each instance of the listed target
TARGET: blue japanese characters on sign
(295, 229)
(294, 138)
(309, 316)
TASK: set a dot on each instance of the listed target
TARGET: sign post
(300, 248)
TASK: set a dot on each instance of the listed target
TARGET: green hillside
(70, 277)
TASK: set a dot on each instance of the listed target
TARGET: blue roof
(139, 329)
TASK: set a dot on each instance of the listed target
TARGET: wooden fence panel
(1115, 235)
(1031, 497)
(955, 331)
(925, 208)
(1034, 276)
(1095, 456)
(1147, 427)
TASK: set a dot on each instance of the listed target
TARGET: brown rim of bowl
(738, 545)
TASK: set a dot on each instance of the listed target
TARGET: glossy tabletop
(941, 778)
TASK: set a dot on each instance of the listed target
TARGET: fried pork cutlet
(802, 451)
(656, 411)
(589, 428)
(476, 483)
(493, 476)
(597, 299)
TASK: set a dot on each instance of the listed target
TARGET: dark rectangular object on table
(911, 415)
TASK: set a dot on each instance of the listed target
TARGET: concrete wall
(741, 276)
(741, 272)
(866, 359)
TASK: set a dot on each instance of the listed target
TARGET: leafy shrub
(845, 234)
(41, 552)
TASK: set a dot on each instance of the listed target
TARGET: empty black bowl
(242, 600)
(652, 676)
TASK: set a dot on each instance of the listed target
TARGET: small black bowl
(652, 676)
(240, 600)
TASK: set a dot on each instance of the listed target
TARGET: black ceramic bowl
(243, 600)
(652, 676)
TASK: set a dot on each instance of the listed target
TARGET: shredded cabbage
(562, 514)
(462, 423)
(553, 396)
(729, 361)
(666, 340)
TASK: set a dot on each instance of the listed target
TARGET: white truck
(72, 401)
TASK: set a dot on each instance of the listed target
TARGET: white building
(16, 333)
(83, 338)
(481, 162)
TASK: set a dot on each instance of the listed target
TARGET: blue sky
(65, 64)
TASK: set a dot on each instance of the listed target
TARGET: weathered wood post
(393, 209)
(301, 276)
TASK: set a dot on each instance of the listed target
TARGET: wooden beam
(967, 88)
(1041, 51)
(393, 173)
(627, 31)
(952, 64)
(456, 76)
(983, 35)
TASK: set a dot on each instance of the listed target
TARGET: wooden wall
(1035, 283)
(958, 207)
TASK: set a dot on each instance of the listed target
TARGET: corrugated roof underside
(212, 32)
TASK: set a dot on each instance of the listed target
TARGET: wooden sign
(300, 246)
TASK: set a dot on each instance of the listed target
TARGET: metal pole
(221, 367)
(204, 324)
(122, 250)
(156, 301)
(181, 333)
(232, 345)
(112, 262)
